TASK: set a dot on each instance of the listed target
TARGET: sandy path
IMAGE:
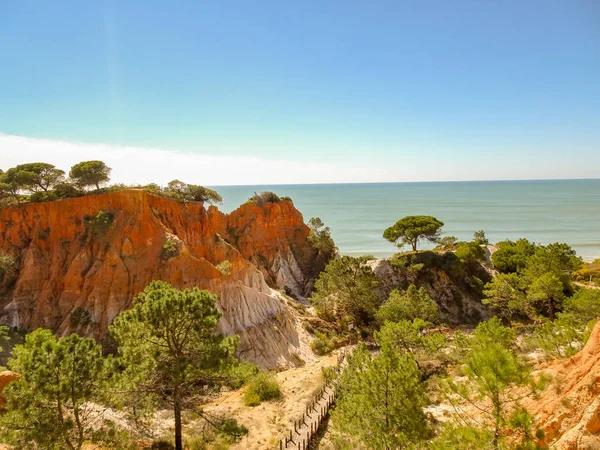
(270, 421)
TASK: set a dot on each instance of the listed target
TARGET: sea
(543, 211)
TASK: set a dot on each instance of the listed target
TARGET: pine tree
(347, 287)
(170, 350)
(496, 379)
(381, 399)
(49, 407)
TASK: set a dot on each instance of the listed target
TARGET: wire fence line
(304, 429)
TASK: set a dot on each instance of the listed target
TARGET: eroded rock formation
(75, 270)
(569, 410)
(454, 286)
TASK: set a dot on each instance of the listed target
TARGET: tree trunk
(97, 186)
(497, 417)
(177, 409)
(414, 245)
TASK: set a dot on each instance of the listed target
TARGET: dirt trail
(269, 422)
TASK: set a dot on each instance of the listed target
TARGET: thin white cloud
(132, 165)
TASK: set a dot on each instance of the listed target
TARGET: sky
(275, 92)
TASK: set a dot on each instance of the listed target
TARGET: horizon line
(409, 182)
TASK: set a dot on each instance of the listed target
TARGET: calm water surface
(541, 211)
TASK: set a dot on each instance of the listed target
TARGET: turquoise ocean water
(541, 211)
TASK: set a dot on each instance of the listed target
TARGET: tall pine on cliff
(170, 350)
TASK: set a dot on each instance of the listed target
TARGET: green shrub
(264, 197)
(321, 344)
(79, 317)
(241, 374)
(262, 387)
(100, 223)
(196, 444)
(512, 256)
(412, 304)
(251, 399)
(224, 267)
(563, 336)
(170, 248)
(584, 305)
(6, 264)
(470, 252)
(320, 236)
(424, 260)
(42, 196)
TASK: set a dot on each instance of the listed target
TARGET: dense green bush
(428, 259)
(512, 256)
(585, 304)
(347, 287)
(470, 252)
(170, 248)
(100, 223)
(264, 197)
(321, 344)
(262, 387)
(413, 304)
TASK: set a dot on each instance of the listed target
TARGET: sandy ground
(268, 422)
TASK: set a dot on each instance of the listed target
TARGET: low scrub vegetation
(7, 263)
(262, 387)
(100, 223)
(224, 267)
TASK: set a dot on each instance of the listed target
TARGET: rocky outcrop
(455, 287)
(6, 377)
(79, 262)
(569, 410)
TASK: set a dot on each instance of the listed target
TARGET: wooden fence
(299, 437)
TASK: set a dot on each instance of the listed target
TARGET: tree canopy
(496, 379)
(41, 182)
(479, 238)
(34, 177)
(411, 229)
(413, 304)
(320, 236)
(381, 399)
(347, 286)
(49, 407)
(191, 192)
(170, 350)
(90, 173)
(506, 296)
(512, 256)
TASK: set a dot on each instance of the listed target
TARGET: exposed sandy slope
(569, 411)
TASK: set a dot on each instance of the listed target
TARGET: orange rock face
(6, 377)
(569, 410)
(64, 261)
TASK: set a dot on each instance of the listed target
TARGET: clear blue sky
(375, 83)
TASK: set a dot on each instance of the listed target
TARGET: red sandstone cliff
(62, 264)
